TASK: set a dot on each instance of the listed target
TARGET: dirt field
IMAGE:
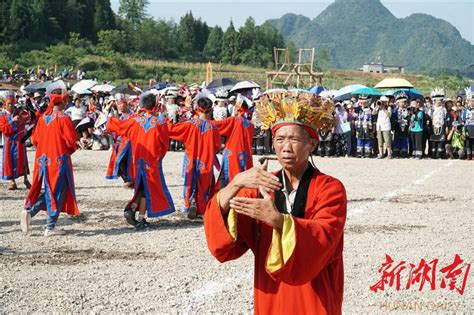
(408, 209)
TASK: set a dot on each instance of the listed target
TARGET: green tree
(113, 40)
(104, 18)
(133, 11)
(323, 61)
(154, 39)
(213, 48)
(230, 49)
(20, 20)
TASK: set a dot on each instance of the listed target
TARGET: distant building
(381, 68)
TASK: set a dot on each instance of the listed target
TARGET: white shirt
(289, 197)
(75, 113)
(383, 120)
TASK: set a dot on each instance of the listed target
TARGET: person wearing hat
(202, 142)
(148, 134)
(120, 163)
(383, 126)
(14, 157)
(292, 220)
(238, 131)
(53, 188)
(439, 124)
(417, 123)
(364, 128)
(172, 110)
(343, 129)
(467, 118)
(401, 125)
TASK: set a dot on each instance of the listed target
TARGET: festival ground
(408, 209)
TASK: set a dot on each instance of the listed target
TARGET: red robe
(55, 139)
(149, 137)
(201, 140)
(14, 158)
(237, 155)
(298, 270)
(122, 149)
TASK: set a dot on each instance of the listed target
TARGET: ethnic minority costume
(364, 132)
(237, 155)
(467, 118)
(14, 158)
(201, 140)
(55, 139)
(298, 269)
(120, 163)
(149, 139)
(401, 124)
(417, 122)
(439, 122)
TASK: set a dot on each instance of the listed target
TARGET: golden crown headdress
(295, 107)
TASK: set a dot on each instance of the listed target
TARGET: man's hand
(257, 176)
(259, 209)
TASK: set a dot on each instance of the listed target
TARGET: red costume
(121, 151)
(14, 158)
(202, 141)
(298, 269)
(55, 139)
(149, 137)
(237, 155)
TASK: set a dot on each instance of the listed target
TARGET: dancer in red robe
(149, 136)
(237, 155)
(293, 221)
(201, 140)
(120, 163)
(14, 158)
(53, 182)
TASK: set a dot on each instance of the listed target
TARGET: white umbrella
(328, 93)
(106, 88)
(274, 91)
(242, 85)
(56, 85)
(83, 86)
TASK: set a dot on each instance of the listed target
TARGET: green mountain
(354, 32)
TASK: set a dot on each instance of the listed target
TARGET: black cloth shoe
(129, 215)
(142, 225)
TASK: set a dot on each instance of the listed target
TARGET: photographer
(455, 146)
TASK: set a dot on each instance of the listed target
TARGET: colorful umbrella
(393, 83)
(317, 89)
(368, 91)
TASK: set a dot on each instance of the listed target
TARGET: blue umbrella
(368, 91)
(160, 86)
(412, 94)
(317, 89)
(346, 92)
(471, 88)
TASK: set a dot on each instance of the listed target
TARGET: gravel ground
(408, 209)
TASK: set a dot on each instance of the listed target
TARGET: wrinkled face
(293, 146)
(9, 105)
(122, 106)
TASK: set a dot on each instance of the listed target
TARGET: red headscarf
(312, 133)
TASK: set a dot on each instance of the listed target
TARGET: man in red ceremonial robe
(293, 222)
(237, 155)
(53, 182)
(14, 158)
(149, 136)
(120, 163)
(201, 140)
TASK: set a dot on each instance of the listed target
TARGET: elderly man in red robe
(238, 130)
(120, 163)
(201, 140)
(149, 136)
(53, 182)
(14, 158)
(292, 220)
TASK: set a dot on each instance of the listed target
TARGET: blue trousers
(40, 204)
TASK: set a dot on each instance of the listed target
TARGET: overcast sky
(460, 13)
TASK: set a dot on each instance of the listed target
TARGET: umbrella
(345, 93)
(274, 91)
(56, 85)
(242, 85)
(6, 86)
(225, 83)
(368, 91)
(160, 86)
(471, 88)
(105, 88)
(412, 94)
(328, 93)
(39, 86)
(317, 89)
(83, 86)
(129, 89)
(393, 83)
